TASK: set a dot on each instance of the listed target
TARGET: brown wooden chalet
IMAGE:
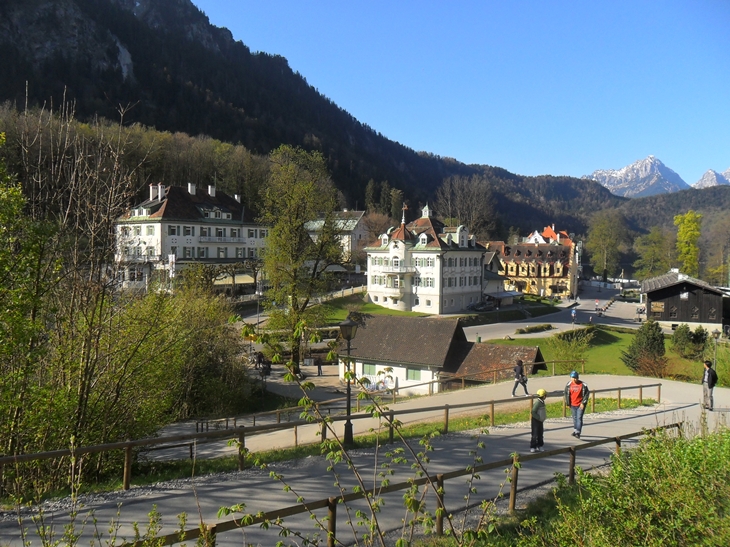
(675, 298)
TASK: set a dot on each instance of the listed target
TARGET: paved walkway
(309, 478)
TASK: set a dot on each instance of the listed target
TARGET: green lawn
(342, 306)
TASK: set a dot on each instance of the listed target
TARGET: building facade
(176, 227)
(351, 230)
(543, 264)
(425, 267)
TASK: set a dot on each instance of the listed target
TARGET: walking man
(537, 422)
(708, 383)
(520, 378)
(576, 397)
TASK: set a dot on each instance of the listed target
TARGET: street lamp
(715, 334)
(348, 329)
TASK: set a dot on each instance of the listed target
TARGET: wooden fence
(435, 482)
(241, 432)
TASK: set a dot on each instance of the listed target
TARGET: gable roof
(481, 360)
(421, 341)
(179, 204)
(345, 221)
(674, 278)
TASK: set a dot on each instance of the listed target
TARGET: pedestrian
(537, 422)
(576, 397)
(520, 378)
(319, 366)
(259, 359)
(709, 379)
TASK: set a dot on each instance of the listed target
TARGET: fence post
(390, 428)
(278, 417)
(211, 531)
(226, 423)
(393, 395)
(357, 404)
(641, 395)
(296, 437)
(440, 508)
(593, 401)
(127, 467)
(446, 419)
(571, 466)
(494, 377)
(513, 486)
(190, 447)
(235, 420)
(659, 393)
(619, 398)
(430, 388)
(491, 413)
(564, 408)
(618, 445)
(553, 368)
(583, 366)
(331, 522)
(241, 450)
(324, 430)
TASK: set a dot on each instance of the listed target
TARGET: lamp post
(348, 329)
(715, 334)
(258, 300)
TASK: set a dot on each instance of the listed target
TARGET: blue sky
(535, 87)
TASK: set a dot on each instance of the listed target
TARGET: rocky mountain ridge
(649, 177)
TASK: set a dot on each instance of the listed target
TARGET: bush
(646, 350)
(534, 328)
(687, 344)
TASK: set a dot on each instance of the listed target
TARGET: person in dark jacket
(708, 384)
(537, 422)
(576, 397)
(520, 377)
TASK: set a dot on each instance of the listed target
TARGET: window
(263, 233)
(188, 230)
(172, 231)
(375, 298)
(220, 232)
(430, 262)
(712, 313)
(173, 250)
(673, 312)
(235, 232)
(396, 262)
(385, 300)
(222, 252)
(452, 301)
(251, 232)
(695, 313)
(417, 281)
(138, 230)
(125, 231)
(138, 251)
(187, 252)
(217, 214)
(150, 230)
(413, 374)
(416, 302)
(150, 251)
(240, 252)
(205, 232)
(202, 252)
(252, 253)
(386, 261)
(395, 300)
(368, 369)
(428, 303)
(373, 261)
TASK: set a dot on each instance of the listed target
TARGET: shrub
(646, 347)
(534, 328)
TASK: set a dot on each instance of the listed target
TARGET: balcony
(397, 269)
(391, 291)
(213, 239)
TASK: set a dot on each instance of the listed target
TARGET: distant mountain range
(650, 177)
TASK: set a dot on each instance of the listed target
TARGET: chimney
(211, 190)
(153, 192)
(160, 191)
(191, 188)
(237, 197)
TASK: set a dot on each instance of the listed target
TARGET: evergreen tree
(384, 198)
(645, 354)
(396, 204)
(370, 191)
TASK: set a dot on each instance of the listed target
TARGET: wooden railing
(435, 482)
(241, 432)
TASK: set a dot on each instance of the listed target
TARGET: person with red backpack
(576, 397)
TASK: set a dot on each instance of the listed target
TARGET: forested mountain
(168, 68)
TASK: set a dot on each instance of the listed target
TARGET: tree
(468, 201)
(298, 191)
(370, 201)
(376, 225)
(384, 198)
(645, 354)
(655, 252)
(688, 236)
(607, 235)
(396, 204)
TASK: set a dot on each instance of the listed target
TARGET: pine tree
(645, 354)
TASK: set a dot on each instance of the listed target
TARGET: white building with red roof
(426, 267)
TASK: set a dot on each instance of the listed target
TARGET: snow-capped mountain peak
(713, 178)
(645, 177)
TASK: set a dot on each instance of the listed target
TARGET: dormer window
(384, 241)
(424, 239)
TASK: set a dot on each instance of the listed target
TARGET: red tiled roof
(482, 360)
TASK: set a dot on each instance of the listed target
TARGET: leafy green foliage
(607, 236)
(656, 253)
(688, 236)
